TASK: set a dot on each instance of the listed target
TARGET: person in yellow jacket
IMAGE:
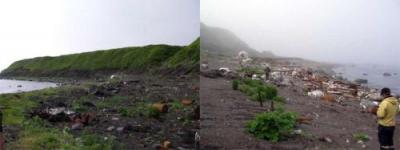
(387, 111)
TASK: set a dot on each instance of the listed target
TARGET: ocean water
(15, 86)
(374, 75)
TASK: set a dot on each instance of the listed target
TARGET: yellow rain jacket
(387, 112)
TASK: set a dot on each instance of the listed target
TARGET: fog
(50, 28)
(341, 31)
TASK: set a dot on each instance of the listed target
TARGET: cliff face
(129, 59)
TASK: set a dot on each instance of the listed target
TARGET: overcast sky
(355, 31)
(53, 27)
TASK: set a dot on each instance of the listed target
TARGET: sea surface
(374, 75)
(16, 86)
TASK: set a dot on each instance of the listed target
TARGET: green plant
(361, 136)
(258, 91)
(152, 112)
(272, 126)
(251, 70)
(235, 84)
(128, 58)
(176, 105)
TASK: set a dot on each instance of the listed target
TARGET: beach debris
(374, 96)
(263, 77)
(243, 55)
(110, 128)
(298, 132)
(254, 77)
(161, 107)
(204, 66)
(304, 120)
(369, 106)
(328, 98)
(316, 93)
(197, 141)
(186, 102)
(277, 76)
(77, 126)
(326, 139)
(112, 77)
(224, 70)
(120, 129)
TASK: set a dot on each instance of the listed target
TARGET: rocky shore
(117, 112)
(335, 113)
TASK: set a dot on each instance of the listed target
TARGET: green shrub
(235, 84)
(361, 136)
(152, 112)
(258, 91)
(272, 126)
(251, 70)
(139, 109)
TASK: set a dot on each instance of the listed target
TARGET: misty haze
(357, 31)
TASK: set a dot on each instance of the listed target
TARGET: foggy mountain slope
(222, 41)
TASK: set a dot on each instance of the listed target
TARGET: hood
(392, 100)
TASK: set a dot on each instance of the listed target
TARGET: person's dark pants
(385, 135)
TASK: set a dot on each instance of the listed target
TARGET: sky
(55, 27)
(341, 31)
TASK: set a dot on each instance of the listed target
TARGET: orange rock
(162, 107)
(186, 102)
(167, 144)
(304, 120)
(328, 98)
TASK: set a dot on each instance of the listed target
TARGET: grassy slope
(122, 59)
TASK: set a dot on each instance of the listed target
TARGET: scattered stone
(298, 132)
(111, 128)
(77, 126)
(204, 66)
(114, 118)
(326, 139)
(120, 129)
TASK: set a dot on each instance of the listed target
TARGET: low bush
(361, 137)
(235, 84)
(272, 126)
(139, 109)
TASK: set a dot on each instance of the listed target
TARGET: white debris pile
(225, 70)
(316, 93)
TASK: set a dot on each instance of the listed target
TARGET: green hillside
(136, 59)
